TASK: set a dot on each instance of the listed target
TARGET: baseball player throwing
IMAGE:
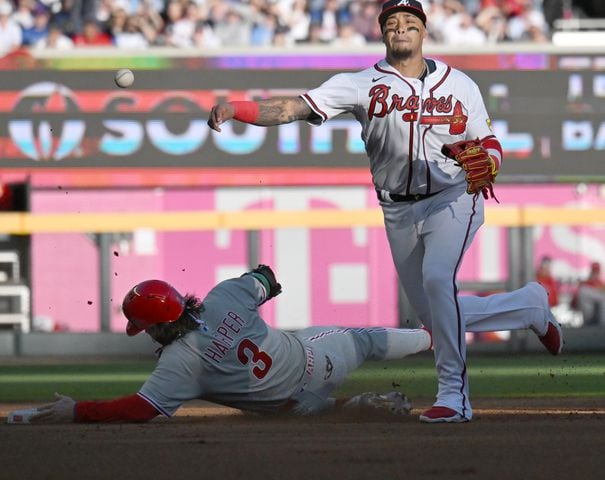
(221, 350)
(433, 159)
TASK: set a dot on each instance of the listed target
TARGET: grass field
(490, 376)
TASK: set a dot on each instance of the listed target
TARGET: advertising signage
(550, 121)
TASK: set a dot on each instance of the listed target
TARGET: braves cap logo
(411, 6)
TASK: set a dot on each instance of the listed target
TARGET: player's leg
(380, 343)
(447, 234)
(526, 307)
(407, 251)
(428, 241)
(338, 351)
(334, 354)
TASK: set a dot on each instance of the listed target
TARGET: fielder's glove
(481, 169)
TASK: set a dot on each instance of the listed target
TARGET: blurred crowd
(66, 24)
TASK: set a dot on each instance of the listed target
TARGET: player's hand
(60, 411)
(220, 113)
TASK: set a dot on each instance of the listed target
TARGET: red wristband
(245, 111)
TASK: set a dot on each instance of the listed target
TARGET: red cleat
(442, 415)
(553, 338)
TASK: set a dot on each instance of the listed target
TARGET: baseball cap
(411, 6)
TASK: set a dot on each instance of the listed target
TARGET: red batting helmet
(151, 302)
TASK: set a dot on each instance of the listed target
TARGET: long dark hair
(166, 333)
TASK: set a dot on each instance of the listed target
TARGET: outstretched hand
(60, 411)
(220, 113)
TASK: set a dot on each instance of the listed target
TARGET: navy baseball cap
(411, 6)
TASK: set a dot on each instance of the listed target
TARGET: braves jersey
(234, 358)
(405, 122)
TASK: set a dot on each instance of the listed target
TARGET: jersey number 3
(247, 351)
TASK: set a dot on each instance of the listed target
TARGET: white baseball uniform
(430, 219)
(236, 359)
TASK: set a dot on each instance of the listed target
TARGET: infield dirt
(561, 438)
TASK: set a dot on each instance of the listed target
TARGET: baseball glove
(480, 167)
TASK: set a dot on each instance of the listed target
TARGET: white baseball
(124, 78)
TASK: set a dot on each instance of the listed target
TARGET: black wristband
(274, 287)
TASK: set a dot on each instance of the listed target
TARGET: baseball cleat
(553, 338)
(442, 415)
(393, 402)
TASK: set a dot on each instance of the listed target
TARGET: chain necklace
(424, 70)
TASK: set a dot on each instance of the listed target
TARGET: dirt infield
(508, 439)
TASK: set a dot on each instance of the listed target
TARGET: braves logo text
(381, 104)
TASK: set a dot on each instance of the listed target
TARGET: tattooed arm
(264, 113)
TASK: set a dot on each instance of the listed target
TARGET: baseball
(124, 78)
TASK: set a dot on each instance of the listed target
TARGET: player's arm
(265, 113)
(266, 277)
(64, 409)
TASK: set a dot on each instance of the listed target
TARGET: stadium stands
(140, 24)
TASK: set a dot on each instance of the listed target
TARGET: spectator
(232, 26)
(459, 28)
(117, 21)
(136, 34)
(527, 23)
(363, 20)
(332, 15)
(10, 32)
(178, 31)
(204, 36)
(493, 24)
(437, 15)
(241, 23)
(151, 20)
(39, 28)
(55, 40)
(590, 297)
(348, 37)
(297, 19)
(92, 36)
(282, 37)
(104, 9)
(315, 35)
(24, 13)
(263, 30)
(69, 17)
(544, 277)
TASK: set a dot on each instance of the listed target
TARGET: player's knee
(436, 282)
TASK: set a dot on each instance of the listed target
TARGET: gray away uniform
(236, 359)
